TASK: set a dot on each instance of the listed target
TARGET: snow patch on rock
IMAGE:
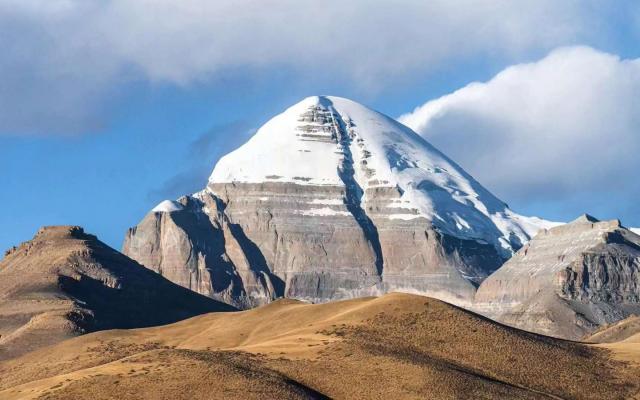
(325, 211)
(168, 206)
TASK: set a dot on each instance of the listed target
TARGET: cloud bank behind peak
(564, 130)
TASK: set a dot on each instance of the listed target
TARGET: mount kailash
(332, 200)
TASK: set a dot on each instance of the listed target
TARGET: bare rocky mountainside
(567, 281)
(332, 200)
(65, 282)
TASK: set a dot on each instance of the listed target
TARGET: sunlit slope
(395, 346)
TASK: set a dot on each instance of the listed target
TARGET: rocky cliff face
(331, 200)
(196, 246)
(65, 282)
(567, 281)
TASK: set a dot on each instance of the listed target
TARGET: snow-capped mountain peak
(327, 140)
(332, 200)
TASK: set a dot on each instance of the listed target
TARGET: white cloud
(563, 128)
(62, 57)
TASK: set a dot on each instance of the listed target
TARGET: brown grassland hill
(394, 346)
(65, 282)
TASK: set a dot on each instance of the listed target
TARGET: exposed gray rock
(198, 248)
(567, 281)
(331, 200)
(265, 242)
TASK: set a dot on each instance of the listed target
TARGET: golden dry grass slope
(395, 346)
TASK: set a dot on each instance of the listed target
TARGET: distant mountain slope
(396, 346)
(65, 282)
(567, 281)
(332, 200)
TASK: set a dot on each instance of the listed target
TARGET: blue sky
(107, 108)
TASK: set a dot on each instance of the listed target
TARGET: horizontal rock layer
(257, 242)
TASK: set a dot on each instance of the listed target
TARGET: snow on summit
(282, 150)
(326, 140)
(167, 206)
